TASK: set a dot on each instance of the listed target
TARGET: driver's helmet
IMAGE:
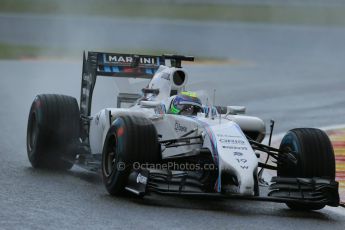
(186, 103)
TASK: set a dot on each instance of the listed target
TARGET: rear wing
(123, 65)
(119, 65)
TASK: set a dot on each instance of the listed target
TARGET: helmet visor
(186, 105)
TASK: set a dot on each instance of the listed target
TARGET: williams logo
(141, 179)
(180, 128)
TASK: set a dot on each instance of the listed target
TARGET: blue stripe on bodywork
(213, 143)
(116, 69)
(149, 71)
(215, 154)
(107, 69)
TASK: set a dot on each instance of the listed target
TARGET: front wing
(282, 189)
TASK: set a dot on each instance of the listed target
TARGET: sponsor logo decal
(128, 59)
(231, 141)
(141, 179)
(238, 154)
(241, 160)
(234, 147)
(179, 127)
(87, 77)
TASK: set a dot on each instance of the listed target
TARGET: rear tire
(53, 131)
(315, 156)
(130, 139)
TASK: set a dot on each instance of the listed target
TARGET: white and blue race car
(169, 142)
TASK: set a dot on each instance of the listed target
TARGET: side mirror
(233, 110)
(150, 104)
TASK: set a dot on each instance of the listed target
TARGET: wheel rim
(290, 170)
(110, 158)
(33, 131)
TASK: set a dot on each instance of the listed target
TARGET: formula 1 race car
(170, 142)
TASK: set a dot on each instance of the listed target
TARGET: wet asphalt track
(294, 75)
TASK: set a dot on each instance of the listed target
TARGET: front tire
(53, 131)
(130, 139)
(315, 158)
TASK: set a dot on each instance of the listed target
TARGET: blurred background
(211, 29)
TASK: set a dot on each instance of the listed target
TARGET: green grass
(10, 51)
(315, 15)
(14, 51)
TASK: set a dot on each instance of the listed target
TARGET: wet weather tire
(315, 156)
(53, 131)
(130, 140)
